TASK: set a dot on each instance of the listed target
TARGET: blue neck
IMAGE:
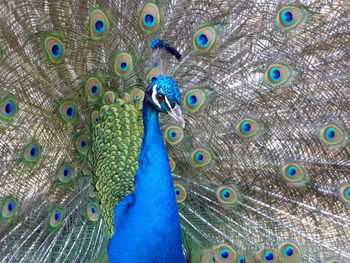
(150, 228)
(154, 168)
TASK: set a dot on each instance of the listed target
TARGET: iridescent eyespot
(93, 88)
(194, 99)
(224, 253)
(268, 255)
(93, 212)
(248, 128)
(277, 74)
(344, 193)
(200, 158)
(150, 18)
(332, 135)
(54, 49)
(108, 97)
(32, 152)
(152, 75)
(289, 17)
(95, 118)
(56, 218)
(8, 109)
(99, 25)
(173, 135)
(180, 193)
(220, 254)
(137, 94)
(81, 144)
(67, 111)
(123, 65)
(333, 261)
(64, 173)
(172, 164)
(9, 207)
(289, 252)
(92, 191)
(294, 174)
(204, 39)
(227, 195)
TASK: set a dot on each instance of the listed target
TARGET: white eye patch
(154, 93)
(167, 102)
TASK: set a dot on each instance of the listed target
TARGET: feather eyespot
(204, 39)
(64, 173)
(152, 75)
(150, 18)
(294, 174)
(123, 65)
(180, 193)
(93, 88)
(95, 118)
(201, 157)
(194, 100)
(99, 25)
(54, 49)
(32, 152)
(9, 207)
(137, 96)
(289, 17)
(81, 144)
(219, 254)
(56, 218)
(289, 252)
(248, 128)
(174, 135)
(67, 111)
(277, 75)
(108, 98)
(332, 135)
(224, 253)
(8, 108)
(227, 195)
(172, 164)
(344, 193)
(268, 255)
(93, 212)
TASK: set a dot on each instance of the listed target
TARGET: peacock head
(164, 96)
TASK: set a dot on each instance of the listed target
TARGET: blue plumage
(149, 220)
(158, 43)
(261, 172)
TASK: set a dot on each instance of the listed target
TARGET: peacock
(204, 131)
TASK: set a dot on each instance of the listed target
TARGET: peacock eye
(160, 97)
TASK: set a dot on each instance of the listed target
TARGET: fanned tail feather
(261, 168)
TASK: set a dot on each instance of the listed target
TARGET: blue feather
(150, 228)
(158, 43)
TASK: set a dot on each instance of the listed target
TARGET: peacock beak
(177, 115)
